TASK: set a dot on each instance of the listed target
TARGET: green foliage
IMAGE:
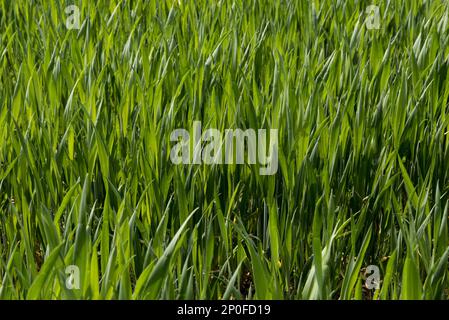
(85, 171)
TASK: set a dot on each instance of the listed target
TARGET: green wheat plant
(86, 178)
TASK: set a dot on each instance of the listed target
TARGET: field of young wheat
(94, 206)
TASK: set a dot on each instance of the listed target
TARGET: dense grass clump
(85, 171)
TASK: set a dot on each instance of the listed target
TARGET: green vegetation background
(86, 178)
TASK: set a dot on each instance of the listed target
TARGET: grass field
(86, 179)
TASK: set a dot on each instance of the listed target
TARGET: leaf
(45, 274)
